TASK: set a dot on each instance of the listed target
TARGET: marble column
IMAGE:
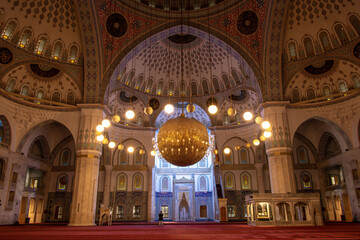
(278, 149)
(107, 190)
(83, 207)
(260, 177)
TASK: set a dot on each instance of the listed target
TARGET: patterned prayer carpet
(180, 231)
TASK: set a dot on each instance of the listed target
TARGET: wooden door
(223, 214)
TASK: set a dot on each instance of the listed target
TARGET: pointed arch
(138, 180)
(57, 51)
(245, 179)
(25, 37)
(39, 149)
(329, 146)
(165, 184)
(203, 184)
(310, 93)
(229, 179)
(73, 54)
(302, 155)
(9, 29)
(121, 182)
(41, 45)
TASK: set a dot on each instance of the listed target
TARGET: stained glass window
(302, 155)
(229, 181)
(292, 50)
(244, 156)
(245, 181)
(121, 182)
(203, 183)
(138, 182)
(65, 157)
(9, 30)
(228, 157)
(165, 184)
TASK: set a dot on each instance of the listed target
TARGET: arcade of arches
(64, 67)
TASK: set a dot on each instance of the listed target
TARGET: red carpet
(180, 231)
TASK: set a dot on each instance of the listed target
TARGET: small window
(340, 32)
(302, 155)
(229, 181)
(325, 41)
(65, 157)
(231, 211)
(244, 156)
(203, 183)
(70, 98)
(138, 182)
(120, 212)
(171, 88)
(226, 81)
(193, 89)
(309, 47)
(11, 85)
(327, 91)
(342, 86)
(139, 120)
(203, 211)
(310, 93)
(121, 182)
(55, 97)
(73, 54)
(334, 180)
(57, 51)
(25, 38)
(165, 184)
(236, 77)
(182, 89)
(136, 212)
(41, 45)
(9, 30)
(39, 95)
(25, 90)
(356, 80)
(292, 50)
(295, 96)
(226, 119)
(34, 182)
(355, 22)
(216, 85)
(165, 211)
(245, 181)
(62, 183)
(205, 87)
(58, 212)
(139, 82)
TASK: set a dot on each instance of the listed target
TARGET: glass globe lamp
(129, 114)
(212, 109)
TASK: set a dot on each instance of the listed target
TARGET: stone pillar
(107, 190)
(83, 207)
(260, 177)
(278, 149)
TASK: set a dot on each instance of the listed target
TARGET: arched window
(139, 119)
(25, 38)
(62, 183)
(327, 91)
(244, 156)
(226, 119)
(123, 157)
(138, 182)
(25, 90)
(39, 95)
(182, 89)
(205, 87)
(149, 85)
(340, 32)
(245, 181)
(57, 50)
(130, 78)
(11, 85)
(121, 182)
(139, 81)
(228, 158)
(165, 184)
(2, 169)
(65, 157)
(2, 132)
(216, 84)
(39, 148)
(295, 96)
(41, 45)
(9, 30)
(226, 81)
(139, 158)
(193, 89)
(310, 93)
(236, 77)
(171, 89)
(309, 47)
(229, 181)
(342, 86)
(355, 22)
(302, 155)
(325, 41)
(292, 50)
(356, 80)
(70, 98)
(160, 88)
(73, 54)
(306, 182)
(55, 96)
(202, 183)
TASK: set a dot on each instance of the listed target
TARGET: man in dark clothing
(161, 218)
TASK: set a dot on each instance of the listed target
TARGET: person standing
(161, 218)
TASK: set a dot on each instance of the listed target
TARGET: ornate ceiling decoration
(239, 96)
(247, 22)
(127, 97)
(44, 71)
(320, 67)
(6, 56)
(116, 25)
(178, 5)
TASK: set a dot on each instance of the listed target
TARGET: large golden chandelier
(183, 141)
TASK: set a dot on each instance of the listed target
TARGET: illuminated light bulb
(115, 118)
(247, 116)
(120, 146)
(258, 120)
(100, 128)
(105, 141)
(267, 134)
(141, 152)
(248, 145)
(130, 149)
(227, 150)
(256, 142)
(100, 138)
(129, 114)
(262, 138)
(169, 108)
(265, 125)
(212, 109)
(111, 144)
(237, 147)
(231, 112)
(106, 123)
(216, 151)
